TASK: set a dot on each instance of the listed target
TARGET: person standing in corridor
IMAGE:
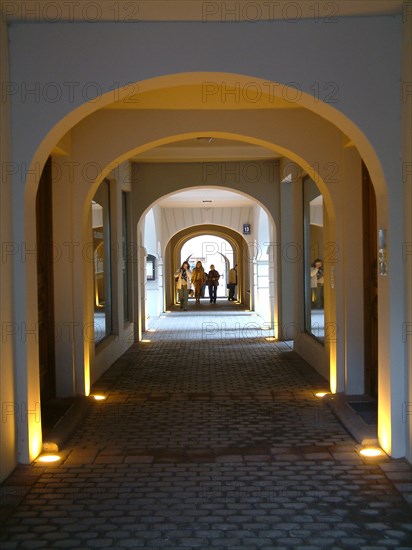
(317, 283)
(232, 283)
(213, 282)
(183, 278)
(198, 280)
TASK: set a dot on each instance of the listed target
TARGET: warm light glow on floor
(145, 341)
(321, 394)
(271, 339)
(371, 452)
(48, 458)
(98, 397)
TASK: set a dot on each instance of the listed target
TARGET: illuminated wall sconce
(382, 253)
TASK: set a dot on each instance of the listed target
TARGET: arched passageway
(210, 251)
(180, 215)
(88, 361)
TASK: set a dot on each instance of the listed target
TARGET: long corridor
(210, 437)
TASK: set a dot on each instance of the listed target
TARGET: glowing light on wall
(35, 445)
(86, 370)
(384, 426)
(332, 368)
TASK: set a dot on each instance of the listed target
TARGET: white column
(8, 249)
(291, 244)
(25, 317)
(353, 319)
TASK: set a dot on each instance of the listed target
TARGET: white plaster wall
(160, 49)
(176, 219)
(154, 181)
(152, 242)
(407, 256)
(10, 336)
(290, 245)
(265, 268)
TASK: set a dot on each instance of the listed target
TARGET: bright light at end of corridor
(48, 458)
(371, 452)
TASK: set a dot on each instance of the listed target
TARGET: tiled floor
(211, 437)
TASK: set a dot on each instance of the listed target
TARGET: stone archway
(238, 243)
(216, 218)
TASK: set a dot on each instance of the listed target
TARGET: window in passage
(127, 303)
(313, 255)
(102, 262)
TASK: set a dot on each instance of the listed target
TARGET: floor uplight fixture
(99, 397)
(48, 458)
(371, 452)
